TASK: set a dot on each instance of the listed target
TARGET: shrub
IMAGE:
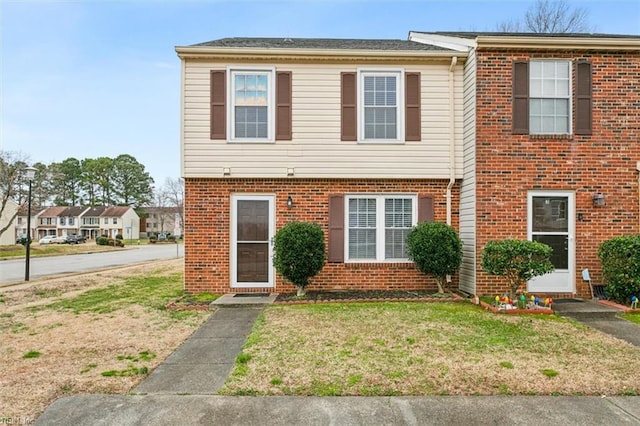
(299, 252)
(516, 260)
(115, 243)
(436, 250)
(620, 258)
(119, 237)
(102, 241)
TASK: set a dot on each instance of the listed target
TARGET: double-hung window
(378, 225)
(252, 105)
(381, 106)
(550, 97)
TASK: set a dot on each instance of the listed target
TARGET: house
(364, 137)
(551, 148)
(120, 221)
(90, 222)
(47, 223)
(21, 222)
(162, 220)
(69, 220)
(8, 219)
(501, 135)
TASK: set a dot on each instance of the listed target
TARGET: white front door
(551, 221)
(252, 230)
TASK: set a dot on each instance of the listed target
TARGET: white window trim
(380, 227)
(271, 103)
(399, 74)
(569, 97)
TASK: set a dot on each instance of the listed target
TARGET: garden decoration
(634, 302)
(547, 302)
(504, 302)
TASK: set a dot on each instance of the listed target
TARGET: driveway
(12, 271)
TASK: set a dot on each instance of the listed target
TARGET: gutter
(452, 137)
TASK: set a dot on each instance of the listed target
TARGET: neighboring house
(364, 137)
(90, 222)
(552, 149)
(524, 136)
(70, 220)
(21, 222)
(120, 221)
(162, 220)
(47, 223)
(7, 218)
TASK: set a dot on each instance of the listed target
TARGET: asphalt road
(12, 271)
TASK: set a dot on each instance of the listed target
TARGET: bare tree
(12, 180)
(546, 16)
(174, 189)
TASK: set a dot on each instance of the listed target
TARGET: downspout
(452, 141)
(452, 137)
(638, 170)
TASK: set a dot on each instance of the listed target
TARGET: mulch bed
(314, 296)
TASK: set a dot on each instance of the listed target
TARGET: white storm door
(551, 221)
(252, 230)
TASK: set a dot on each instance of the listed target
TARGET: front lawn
(427, 349)
(632, 316)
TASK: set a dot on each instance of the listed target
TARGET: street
(12, 271)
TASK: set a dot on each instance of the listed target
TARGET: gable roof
(95, 211)
(52, 211)
(116, 211)
(73, 211)
(318, 43)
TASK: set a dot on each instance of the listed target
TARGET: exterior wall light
(289, 202)
(598, 200)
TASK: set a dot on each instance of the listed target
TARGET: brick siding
(207, 230)
(605, 162)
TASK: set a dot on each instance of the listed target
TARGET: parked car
(22, 239)
(75, 239)
(52, 239)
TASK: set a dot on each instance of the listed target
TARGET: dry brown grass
(75, 348)
(428, 349)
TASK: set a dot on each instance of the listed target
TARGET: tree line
(99, 181)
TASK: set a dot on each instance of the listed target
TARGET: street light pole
(30, 175)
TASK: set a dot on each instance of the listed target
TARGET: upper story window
(549, 97)
(62, 221)
(70, 221)
(106, 220)
(115, 220)
(252, 109)
(378, 225)
(380, 106)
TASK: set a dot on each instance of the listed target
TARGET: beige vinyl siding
(316, 149)
(468, 190)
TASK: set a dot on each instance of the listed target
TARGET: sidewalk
(97, 410)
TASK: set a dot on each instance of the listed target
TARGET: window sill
(390, 264)
(551, 137)
(249, 141)
(380, 142)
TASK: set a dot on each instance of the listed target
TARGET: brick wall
(605, 162)
(207, 229)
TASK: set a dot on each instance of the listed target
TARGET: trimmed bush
(298, 253)
(102, 241)
(119, 237)
(516, 260)
(436, 250)
(620, 258)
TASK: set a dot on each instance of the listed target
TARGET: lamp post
(30, 174)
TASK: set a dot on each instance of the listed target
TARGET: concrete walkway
(600, 317)
(202, 363)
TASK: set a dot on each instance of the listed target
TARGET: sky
(92, 78)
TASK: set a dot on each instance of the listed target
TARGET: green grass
(31, 354)
(408, 348)
(632, 316)
(153, 291)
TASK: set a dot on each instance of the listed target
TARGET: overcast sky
(87, 79)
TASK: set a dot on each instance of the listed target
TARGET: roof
(95, 211)
(475, 34)
(73, 211)
(116, 211)
(319, 43)
(53, 211)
